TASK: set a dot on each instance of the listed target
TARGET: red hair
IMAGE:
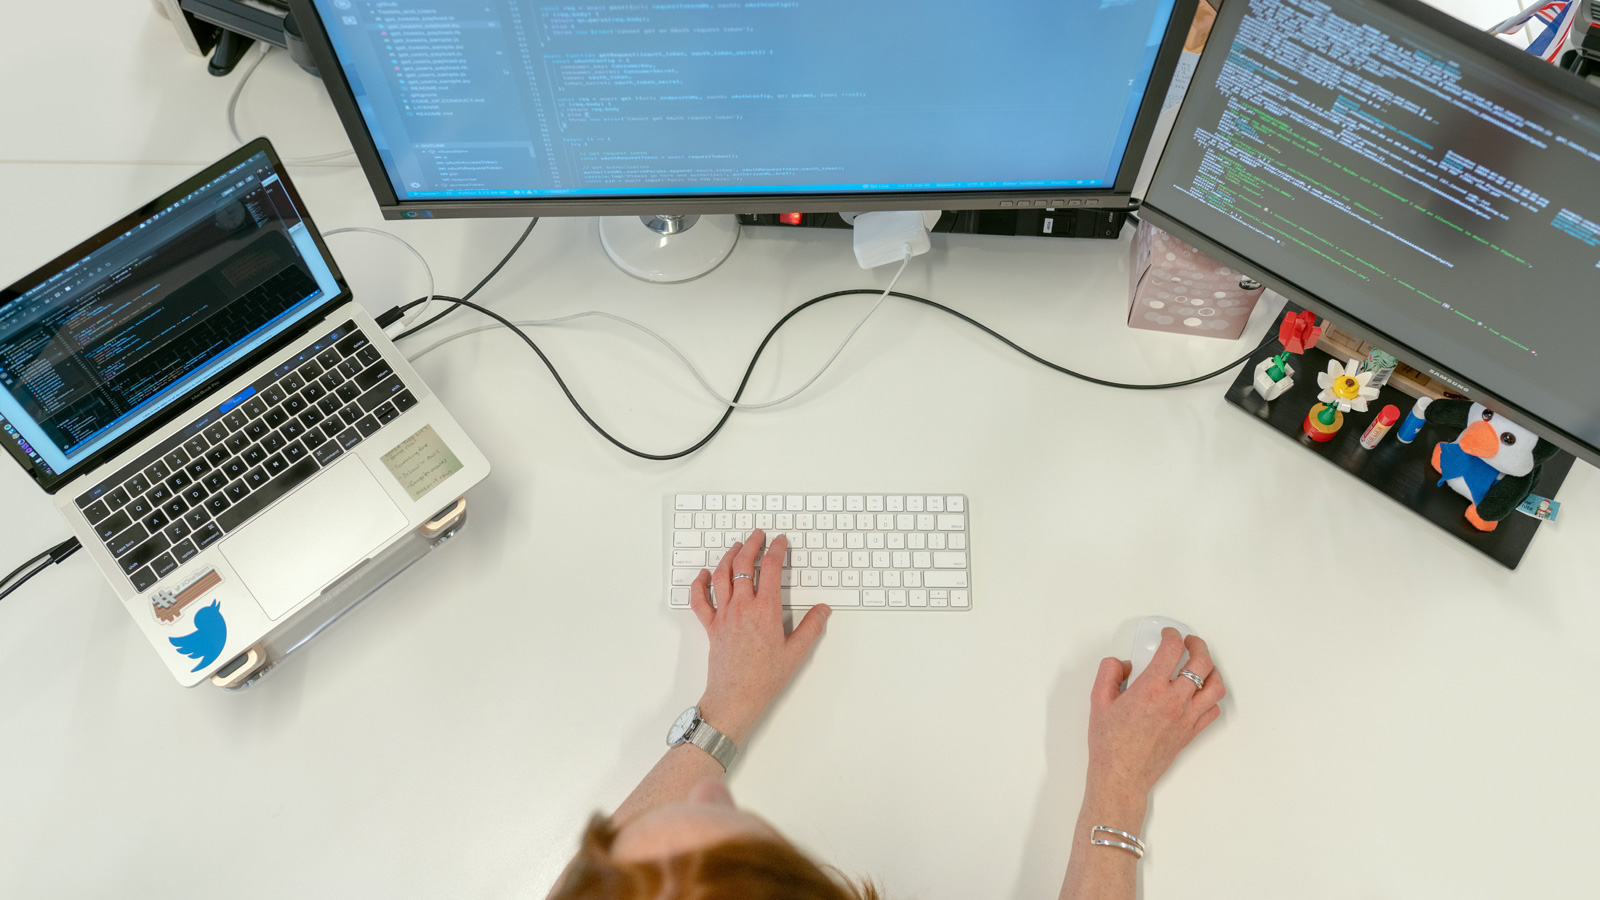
(733, 870)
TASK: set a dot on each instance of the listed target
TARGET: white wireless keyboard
(850, 551)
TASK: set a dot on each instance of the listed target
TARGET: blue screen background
(496, 98)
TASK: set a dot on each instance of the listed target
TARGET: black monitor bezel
(1534, 72)
(1119, 196)
(178, 408)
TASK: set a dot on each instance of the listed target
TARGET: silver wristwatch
(692, 729)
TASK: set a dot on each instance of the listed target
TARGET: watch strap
(720, 746)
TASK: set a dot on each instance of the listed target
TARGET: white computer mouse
(1147, 637)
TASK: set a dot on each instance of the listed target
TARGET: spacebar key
(803, 596)
(240, 512)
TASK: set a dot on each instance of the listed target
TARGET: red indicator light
(789, 218)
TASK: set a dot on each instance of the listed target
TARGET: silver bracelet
(1135, 846)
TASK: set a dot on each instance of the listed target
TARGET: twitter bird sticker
(207, 640)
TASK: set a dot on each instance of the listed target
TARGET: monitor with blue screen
(103, 341)
(498, 107)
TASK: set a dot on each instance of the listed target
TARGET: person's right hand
(751, 658)
(1134, 735)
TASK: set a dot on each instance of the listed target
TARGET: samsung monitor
(1429, 187)
(508, 107)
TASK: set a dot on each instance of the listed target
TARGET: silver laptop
(225, 429)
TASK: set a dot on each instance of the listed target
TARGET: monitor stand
(668, 249)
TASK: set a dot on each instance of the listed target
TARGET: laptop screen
(93, 346)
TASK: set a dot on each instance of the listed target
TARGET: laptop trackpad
(313, 536)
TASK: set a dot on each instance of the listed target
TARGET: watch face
(680, 728)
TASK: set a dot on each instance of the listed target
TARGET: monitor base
(668, 249)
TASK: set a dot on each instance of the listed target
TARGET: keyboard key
(256, 478)
(143, 580)
(313, 439)
(328, 405)
(275, 417)
(385, 413)
(183, 551)
(689, 501)
(113, 525)
(295, 405)
(952, 522)
(349, 438)
(327, 452)
(197, 467)
(214, 482)
(217, 503)
(237, 441)
(292, 383)
(333, 427)
(368, 426)
(310, 371)
(350, 368)
(273, 442)
(935, 578)
(253, 456)
(155, 521)
(380, 393)
(368, 355)
(177, 531)
(196, 446)
(164, 565)
(256, 430)
(404, 401)
(955, 503)
(874, 598)
(314, 391)
(217, 455)
(158, 471)
(263, 497)
(949, 559)
(372, 377)
(315, 414)
(216, 433)
(117, 498)
(275, 464)
(139, 507)
(292, 429)
(809, 597)
(351, 344)
(236, 420)
(175, 507)
(137, 485)
(350, 414)
(329, 358)
(207, 534)
(136, 558)
(127, 539)
(96, 512)
(273, 395)
(196, 517)
(236, 491)
(293, 452)
(176, 459)
(959, 599)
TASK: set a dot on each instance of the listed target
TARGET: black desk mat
(1402, 471)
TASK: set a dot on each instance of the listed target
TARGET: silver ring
(742, 575)
(1198, 681)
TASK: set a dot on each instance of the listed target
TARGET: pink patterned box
(1174, 287)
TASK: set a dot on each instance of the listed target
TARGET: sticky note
(421, 462)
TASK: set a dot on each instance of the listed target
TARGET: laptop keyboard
(226, 466)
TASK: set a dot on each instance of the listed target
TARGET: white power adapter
(890, 237)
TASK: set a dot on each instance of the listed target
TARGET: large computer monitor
(1427, 186)
(502, 107)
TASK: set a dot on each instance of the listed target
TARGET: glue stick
(1380, 426)
(1414, 421)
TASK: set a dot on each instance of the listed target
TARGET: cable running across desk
(771, 333)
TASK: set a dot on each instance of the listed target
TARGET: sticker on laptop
(421, 462)
(210, 635)
(169, 603)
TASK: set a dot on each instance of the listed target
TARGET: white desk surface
(1419, 725)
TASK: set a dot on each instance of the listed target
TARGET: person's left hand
(751, 658)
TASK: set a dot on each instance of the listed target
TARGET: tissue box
(1174, 287)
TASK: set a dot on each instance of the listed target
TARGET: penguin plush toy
(1494, 462)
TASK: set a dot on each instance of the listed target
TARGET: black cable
(39, 563)
(457, 303)
(750, 369)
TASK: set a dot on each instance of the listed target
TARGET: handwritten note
(421, 463)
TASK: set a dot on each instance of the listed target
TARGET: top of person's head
(743, 867)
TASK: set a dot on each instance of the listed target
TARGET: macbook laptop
(224, 428)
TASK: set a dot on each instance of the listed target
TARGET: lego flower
(1343, 388)
(1298, 333)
